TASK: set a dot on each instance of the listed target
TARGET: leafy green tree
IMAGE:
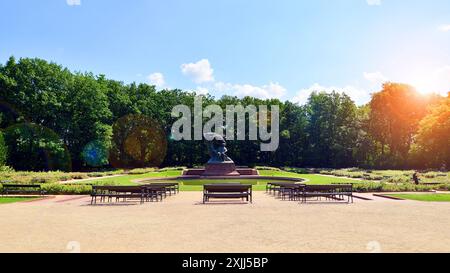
(432, 147)
(3, 150)
(331, 129)
(394, 118)
(85, 116)
(138, 141)
(35, 148)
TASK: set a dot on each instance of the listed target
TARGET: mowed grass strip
(127, 180)
(9, 200)
(312, 179)
(437, 197)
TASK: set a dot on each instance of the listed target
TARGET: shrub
(385, 187)
(266, 168)
(96, 174)
(297, 170)
(41, 180)
(368, 187)
(64, 178)
(78, 176)
(6, 169)
(141, 171)
(55, 188)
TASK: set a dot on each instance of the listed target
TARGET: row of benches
(158, 191)
(144, 193)
(303, 193)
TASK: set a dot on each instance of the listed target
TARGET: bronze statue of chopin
(217, 148)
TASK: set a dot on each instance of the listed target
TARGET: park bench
(171, 188)
(289, 191)
(336, 192)
(227, 191)
(118, 192)
(28, 189)
(160, 190)
(281, 188)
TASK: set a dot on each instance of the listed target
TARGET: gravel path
(182, 224)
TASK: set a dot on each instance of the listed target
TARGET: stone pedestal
(221, 169)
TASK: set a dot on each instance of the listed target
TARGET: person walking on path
(416, 178)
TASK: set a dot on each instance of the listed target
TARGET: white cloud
(373, 2)
(73, 2)
(156, 79)
(376, 79)
(199, 72)
(271, 90)
(444, 28)
(358, 95)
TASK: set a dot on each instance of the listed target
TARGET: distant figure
(416, 178)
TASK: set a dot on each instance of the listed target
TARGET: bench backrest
(227, 188)
(132, 189)
(21, 186)
(324, 188)
(282, 184)
(161, 185)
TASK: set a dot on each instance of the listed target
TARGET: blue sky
(284, 48)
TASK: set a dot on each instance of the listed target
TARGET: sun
(425, 86)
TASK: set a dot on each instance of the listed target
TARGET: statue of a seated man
(217, 148)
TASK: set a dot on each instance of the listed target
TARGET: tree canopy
(53, 118)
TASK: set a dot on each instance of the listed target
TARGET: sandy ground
(182, 224)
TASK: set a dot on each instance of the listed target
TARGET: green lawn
(313, 179)
(127, 180)
(424, 197)
(8, 200)
(197, 185)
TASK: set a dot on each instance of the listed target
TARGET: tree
(138, 141)
(3, 150)
(394, 118)
(35, 148)
(331, 129)
(85, 115)
(432, 145)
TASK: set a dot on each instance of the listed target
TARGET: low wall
(241, 171)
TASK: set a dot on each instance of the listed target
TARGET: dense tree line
(52, 118)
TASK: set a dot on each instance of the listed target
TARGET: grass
(313, 179)
(197, 185)
(437, 197)
(9, 200)
(127, 180)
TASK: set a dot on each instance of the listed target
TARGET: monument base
(213, 170)
(221, 169)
